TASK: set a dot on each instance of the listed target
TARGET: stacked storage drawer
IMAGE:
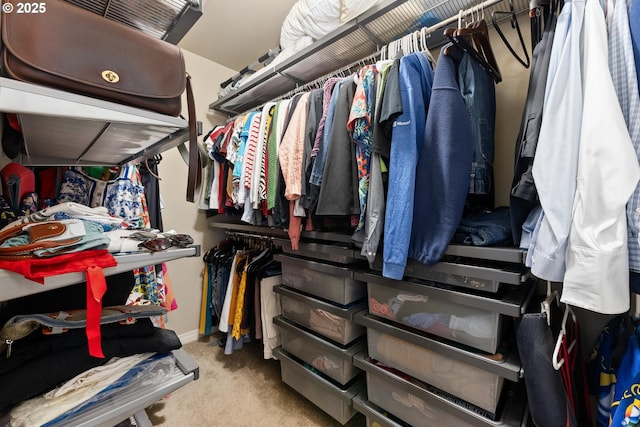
(417, 404)
(320, 337)
(436, 353)
(336, 362)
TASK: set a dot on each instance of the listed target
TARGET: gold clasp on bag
(110, 76)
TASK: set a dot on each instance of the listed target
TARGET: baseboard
(188, 337)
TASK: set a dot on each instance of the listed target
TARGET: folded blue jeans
(485, 229)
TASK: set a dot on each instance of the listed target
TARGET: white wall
(510, 98)
(184, 217)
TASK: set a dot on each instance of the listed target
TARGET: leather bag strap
(195, 171)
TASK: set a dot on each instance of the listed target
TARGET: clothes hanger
(412, 46)
(545, 306)
(393, 49)
(535, 17)
(448, 32)
(478, 34)
(514, 24)
(562, 336)
(420, 43)
(408, 44)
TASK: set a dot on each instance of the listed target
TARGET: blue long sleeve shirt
(555, 165)
(416, 78)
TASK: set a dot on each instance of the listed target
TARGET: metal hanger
(513, 19)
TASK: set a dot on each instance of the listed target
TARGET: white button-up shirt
(597, 276)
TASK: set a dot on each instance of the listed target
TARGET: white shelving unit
(15, 285)
(122, 405)
(62, 128)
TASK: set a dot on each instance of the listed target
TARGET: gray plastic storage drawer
(334, 400)
(482, 268)
(452, 376)
(375, 416)
(408, 406)
(329, 320)
(331, 282)
(334, 361)
(421, 406)
(464, 317)
(504, 364)
(338, 252)
(439, 316)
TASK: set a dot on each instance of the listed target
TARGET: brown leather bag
(70, 48)
(73, 49)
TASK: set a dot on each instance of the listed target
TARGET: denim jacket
(478, 90)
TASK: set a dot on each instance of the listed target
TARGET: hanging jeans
(478, 90)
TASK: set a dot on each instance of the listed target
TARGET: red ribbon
(96, 288)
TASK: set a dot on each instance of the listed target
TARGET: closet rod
(473, 9)
(346, 71)
(314, 83)
(248, 235)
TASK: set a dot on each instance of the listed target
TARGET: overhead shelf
(15, 285)
(62, 128)
(356, 39)
(168, 20)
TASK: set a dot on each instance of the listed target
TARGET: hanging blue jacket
(416, 78)
(444, 167)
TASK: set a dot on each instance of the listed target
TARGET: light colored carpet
(238, 390)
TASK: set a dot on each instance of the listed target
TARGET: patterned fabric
(250, 150)
(249, 155)
(623, 72)
(258, 161)
(123, 197)
(625, 408)
(78, 187)
(361, 125)
(328, 90)
(146, 284)
(602, 371)
(234, 157)
(236, 330)
(262, 190)
(166, 289)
